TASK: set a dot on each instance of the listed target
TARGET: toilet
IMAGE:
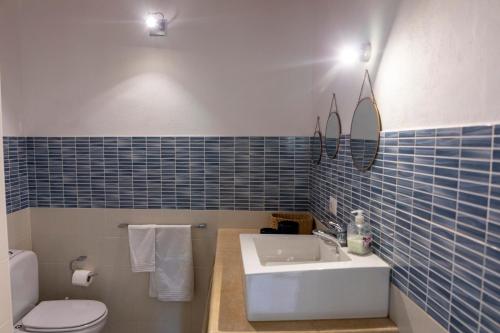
(61, 316)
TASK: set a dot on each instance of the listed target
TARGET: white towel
(172, 280)
(141, 240)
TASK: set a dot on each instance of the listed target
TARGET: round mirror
(316, 147)
(365, 134)
(332, 134)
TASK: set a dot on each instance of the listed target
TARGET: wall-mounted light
(350, 54)
(156, 24)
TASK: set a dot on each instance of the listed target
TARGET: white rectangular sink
(301, 277)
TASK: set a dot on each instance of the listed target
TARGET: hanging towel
(172, 280)
(141, 240)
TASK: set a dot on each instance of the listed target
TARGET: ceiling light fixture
(156, 24)
(350, 54)
(366, 52)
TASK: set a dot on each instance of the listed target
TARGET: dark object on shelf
(288, 227)
(305, 220)
(268, 231)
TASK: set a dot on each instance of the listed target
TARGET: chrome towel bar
(198, 226)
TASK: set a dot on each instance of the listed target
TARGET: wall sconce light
(156, 24)
(350, 54)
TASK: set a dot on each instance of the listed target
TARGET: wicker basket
(305, 221)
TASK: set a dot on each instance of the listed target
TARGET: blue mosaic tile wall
(235, 173)
(433, 200)
(16, 173)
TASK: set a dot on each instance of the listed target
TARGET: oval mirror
(317, 144)
(332, 135)
(332, 131)
(365, 134)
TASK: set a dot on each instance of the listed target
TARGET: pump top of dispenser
(358, 216)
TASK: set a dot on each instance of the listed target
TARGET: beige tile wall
(19, 230)
(19, 237)
(62, 234)
(5, 305)
(59, 235)
(409, 317)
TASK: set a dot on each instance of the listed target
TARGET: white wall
(236, 67)
(341, 23)
(5, 302)
(227, 67)
(440, 67)
(10, 67)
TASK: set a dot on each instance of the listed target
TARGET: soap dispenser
(359, 237)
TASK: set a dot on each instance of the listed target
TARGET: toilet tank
(23, 282)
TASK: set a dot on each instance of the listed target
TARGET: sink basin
(293, 250)
(301, 277)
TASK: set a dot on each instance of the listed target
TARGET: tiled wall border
(231, 173)
(16, 173)
(433, 201)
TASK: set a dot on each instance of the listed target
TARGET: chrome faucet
(328, 239)
(340, 231)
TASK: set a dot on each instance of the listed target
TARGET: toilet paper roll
(82, 278)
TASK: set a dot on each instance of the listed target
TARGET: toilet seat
(64, 316)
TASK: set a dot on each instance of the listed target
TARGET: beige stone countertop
(227, 302)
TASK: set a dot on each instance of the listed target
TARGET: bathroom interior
(189, 166)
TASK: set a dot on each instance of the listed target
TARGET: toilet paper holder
(78, 259)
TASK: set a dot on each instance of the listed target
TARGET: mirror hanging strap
(334, 102)
(367, 76)
(318, 127)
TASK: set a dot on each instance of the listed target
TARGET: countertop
(227, 302)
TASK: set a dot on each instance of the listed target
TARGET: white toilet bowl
(62, 316)
(76, 316)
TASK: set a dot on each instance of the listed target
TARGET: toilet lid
(64, 314)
